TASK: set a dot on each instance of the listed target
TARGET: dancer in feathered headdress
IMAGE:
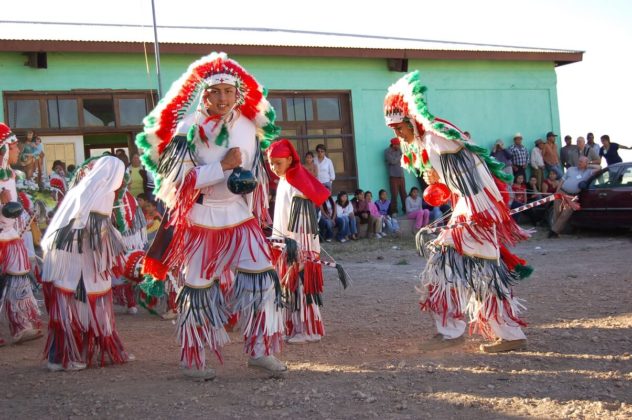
(470, 271)
(16, 295)
(215, 119)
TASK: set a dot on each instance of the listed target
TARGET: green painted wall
(489, 99)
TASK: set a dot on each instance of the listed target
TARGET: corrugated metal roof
(267, 37)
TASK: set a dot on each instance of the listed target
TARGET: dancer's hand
(232, 159)
(431, 176)
(5, 196)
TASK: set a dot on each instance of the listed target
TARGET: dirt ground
(578, 363)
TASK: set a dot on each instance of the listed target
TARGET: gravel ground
(578, 363)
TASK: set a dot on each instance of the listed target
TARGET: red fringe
(502, 188)
(155, 268)
(272, 343)
(437, 303)
(511, 260)
(65, 344)
(11, 251)
(312, 278)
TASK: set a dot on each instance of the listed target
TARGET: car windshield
(602, 180)
(626, 177)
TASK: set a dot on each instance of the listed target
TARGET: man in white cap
(519, 156)
(537, 162)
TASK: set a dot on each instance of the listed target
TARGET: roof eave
(559, 57)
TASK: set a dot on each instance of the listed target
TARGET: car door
(619, 199)
(594, 201)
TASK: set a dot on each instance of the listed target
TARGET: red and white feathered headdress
(6, 137)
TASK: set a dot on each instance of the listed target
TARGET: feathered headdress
(184, 97)
(406, 102)
(6, 137)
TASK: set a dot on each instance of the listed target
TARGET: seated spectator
(415, 210)
(389, 223)
(519, 194)
(153, 217)
(360, 209)
(310, 165)
(534, 214)
(375, 218)
(345, 219)
(570, 185)
(550, 184)
(327, 219)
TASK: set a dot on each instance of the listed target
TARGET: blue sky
(593, 95)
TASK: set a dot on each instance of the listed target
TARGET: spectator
(137, 180)
(519, 156)
(375, 218)
(550, 184)
(569, 185)
(326, 172)
(569, 154)
(383, 204)
(590, 142)
(360, 209)
(310, 165)
(396, 180)
(550, 155)
(153, 218)
(70, 170)
(519, 194)
(327, 219)
(415, 210)
(534, 214)
(594, 161)
(345, 219)
(142, 199)
(120, 153)
(502, 155)
(537, 162)
(610, 151)
(58, 182)
(27, 158)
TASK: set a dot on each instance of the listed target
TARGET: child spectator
(519, 194)
(327, 219)
(153, 217)
(415, 210)
(360, 209)
(383, 204)
(310, 165)
(533, 194)
(345, 219)
(550, 184)
(375, 222)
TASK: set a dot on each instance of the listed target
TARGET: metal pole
(156, 50)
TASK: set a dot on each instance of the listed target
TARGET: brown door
(310, 118)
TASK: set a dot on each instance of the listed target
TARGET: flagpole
(156, 50)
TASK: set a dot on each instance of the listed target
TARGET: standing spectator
(383, 204)
(610, 151)
(519, 156)
(326, 172)
(569, 185)
(327, 219)
(415, 210)
(550, 155)
(57, 181)
(137, 180)
(310, 165)
(537, 162)
(120, 153)
(569, 155)
(396, 180)
(594, 161)
(550, 184)
(502, 155)
(345, 219)
(590, 142)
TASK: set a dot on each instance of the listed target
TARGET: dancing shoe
(313, 338)
(169, 315)
(439, 342)
(72, 367)
(27, 335)
(205, 374)
(501, 345)
(268, 363)
(299, 338)
(133, 310)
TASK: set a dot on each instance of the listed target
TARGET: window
(98, 112)
(62, 113)
(131, 111)
(313, 118)
(602, 181)
(24, 113)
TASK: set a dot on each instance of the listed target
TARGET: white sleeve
(332, 172)
(208, 175)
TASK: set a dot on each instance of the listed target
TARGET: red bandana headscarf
(297, 175)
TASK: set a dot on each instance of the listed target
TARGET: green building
(84, 88)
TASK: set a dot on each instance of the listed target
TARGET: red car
(606, 198)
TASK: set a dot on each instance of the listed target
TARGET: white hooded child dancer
(298, 195)
(469, 271)
(17, 303)
(83, 251)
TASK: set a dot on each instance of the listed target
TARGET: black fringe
(472, 271)
(303, 214)
(172, 158)
(258, 281)
(291, 251)
(205, 304)
(80, 293)
(3, 285)
(65, 237)
(459, 169)
(342, 276)
(292, 300)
